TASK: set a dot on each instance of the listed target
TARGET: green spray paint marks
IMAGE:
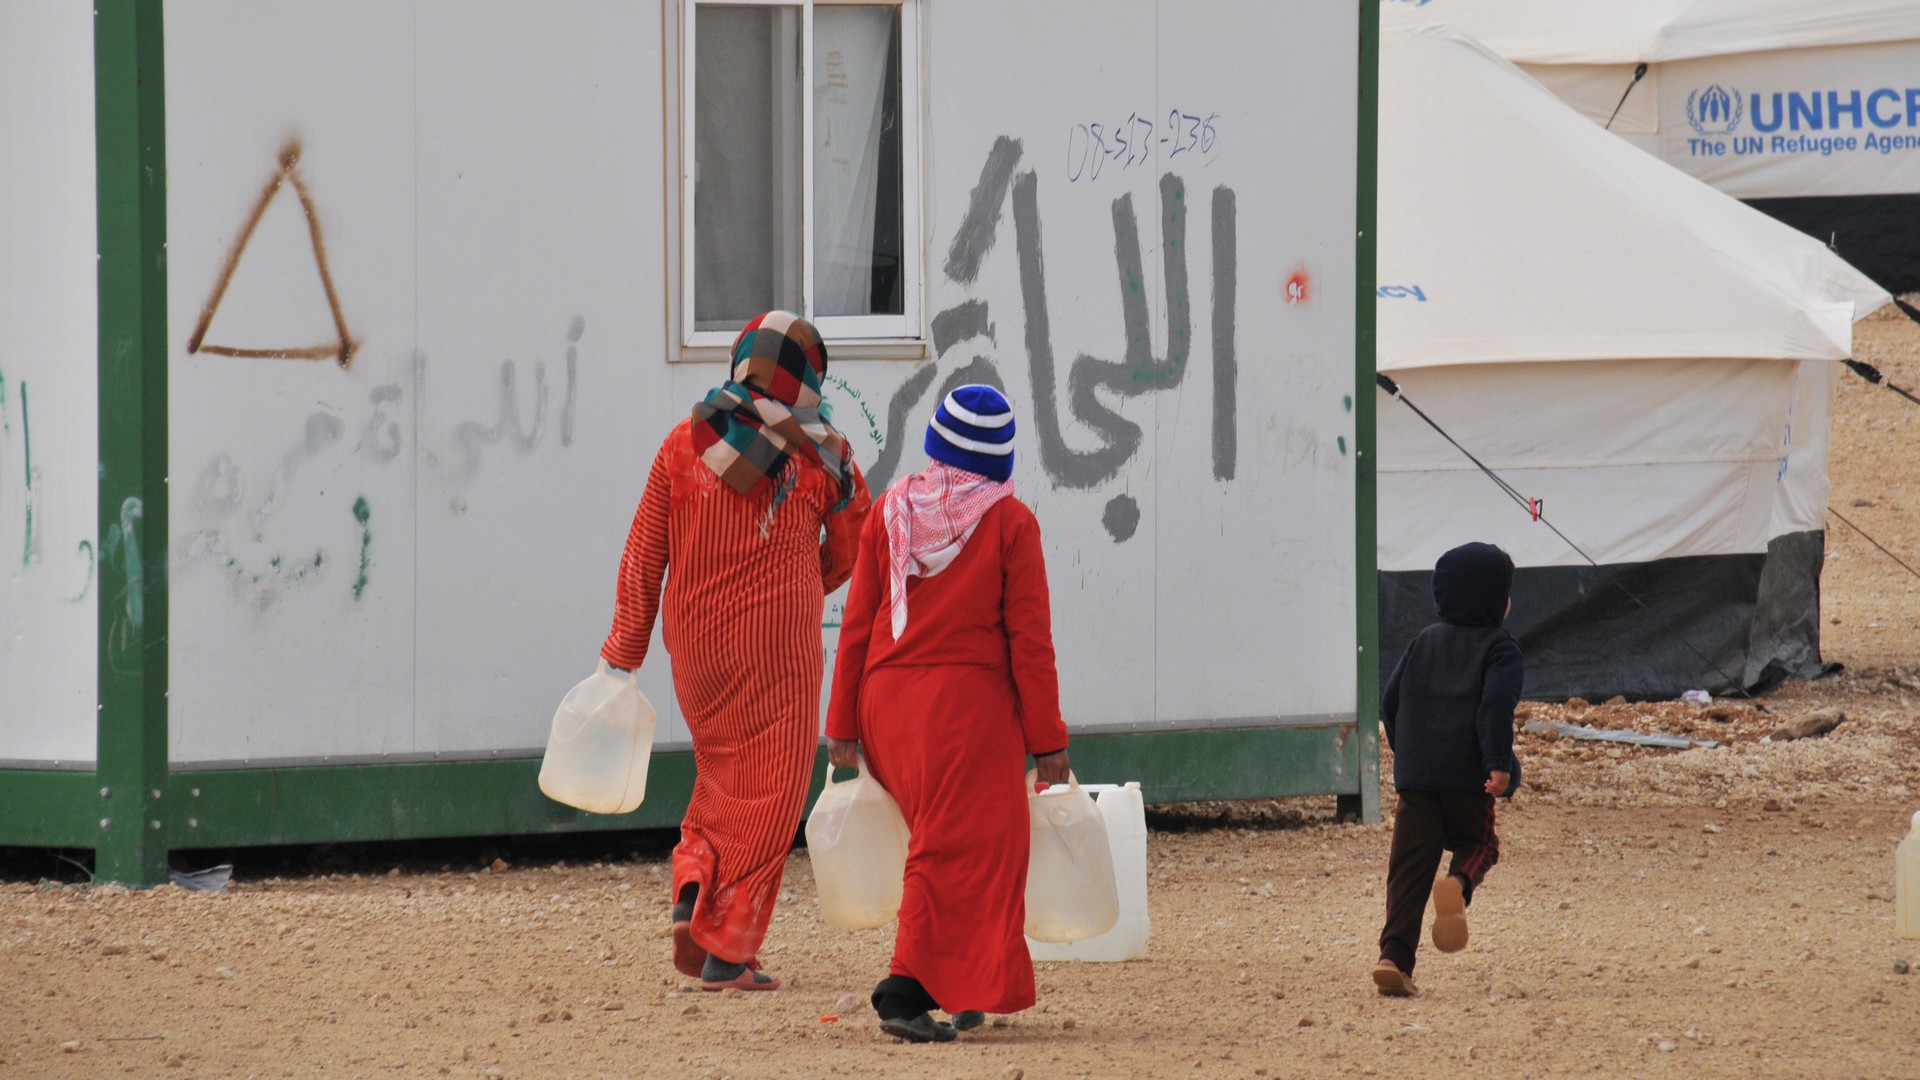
(86, 548)
(131, 513)
(361, 512)
(26, 441)
(1341, 442)
(1346, 402)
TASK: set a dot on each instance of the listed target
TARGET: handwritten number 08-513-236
(1091, 147)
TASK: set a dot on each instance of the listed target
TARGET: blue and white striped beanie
(973, 430)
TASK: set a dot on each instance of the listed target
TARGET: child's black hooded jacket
(1448, 706)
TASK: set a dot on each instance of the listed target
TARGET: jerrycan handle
(631, 676)
(860, 770)
(1073, 782)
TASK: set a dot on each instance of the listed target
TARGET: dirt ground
(1659, 913)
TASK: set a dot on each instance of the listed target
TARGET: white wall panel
(49, 486)
(278, 647)
(540, 252)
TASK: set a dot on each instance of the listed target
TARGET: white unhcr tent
(1808, 108)
(1647, 356)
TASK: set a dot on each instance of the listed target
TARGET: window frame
(900, 336)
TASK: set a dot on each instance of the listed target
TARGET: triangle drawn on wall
(343, 346)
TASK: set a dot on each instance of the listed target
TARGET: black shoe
(968, 1019)
(919, 1029)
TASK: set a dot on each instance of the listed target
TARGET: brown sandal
(1449, 915)
(749, 978)
(1391, 981)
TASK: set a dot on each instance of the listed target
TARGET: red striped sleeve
(642, 569)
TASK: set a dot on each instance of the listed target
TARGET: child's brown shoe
(1449, 915)
(1391, 981)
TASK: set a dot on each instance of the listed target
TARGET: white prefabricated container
(1124, 812)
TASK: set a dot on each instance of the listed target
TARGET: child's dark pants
(1426, 824)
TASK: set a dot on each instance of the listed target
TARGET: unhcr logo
(1715, 110)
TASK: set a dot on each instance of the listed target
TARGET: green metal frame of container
(132, 810)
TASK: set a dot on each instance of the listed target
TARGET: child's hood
(1471, 585)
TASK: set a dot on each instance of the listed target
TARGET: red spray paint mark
(1299, 288)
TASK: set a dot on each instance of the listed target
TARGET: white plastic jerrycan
(1906, 883)
(601, 741)
(857, 842)
(1125, 814)
(1070, 890)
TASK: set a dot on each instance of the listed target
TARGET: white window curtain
(747, 163)
(852, 44)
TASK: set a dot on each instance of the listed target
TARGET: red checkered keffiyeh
(929, 517)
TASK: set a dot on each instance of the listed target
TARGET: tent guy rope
(1869, 539)
(1639, 73)
(1875, 376)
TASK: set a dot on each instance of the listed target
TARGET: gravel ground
(1660, 913)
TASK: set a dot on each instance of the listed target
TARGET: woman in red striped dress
(945, 679)
(732, 519)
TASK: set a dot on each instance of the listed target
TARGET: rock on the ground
(1818, 722)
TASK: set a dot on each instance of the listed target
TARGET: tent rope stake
(1534, 509)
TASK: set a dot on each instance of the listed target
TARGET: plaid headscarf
(747, 427)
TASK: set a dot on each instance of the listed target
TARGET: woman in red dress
(734, 507)
(945, 680)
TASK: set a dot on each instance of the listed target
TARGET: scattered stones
(1578, 703)
(71, 1046)
(1900, 967)
(1306, 1021)
(1615, 700)
(498, 866)
(116, 949)
(691, 1010)
(1014, 1072)
(1772, 806)
(1067, 1024)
